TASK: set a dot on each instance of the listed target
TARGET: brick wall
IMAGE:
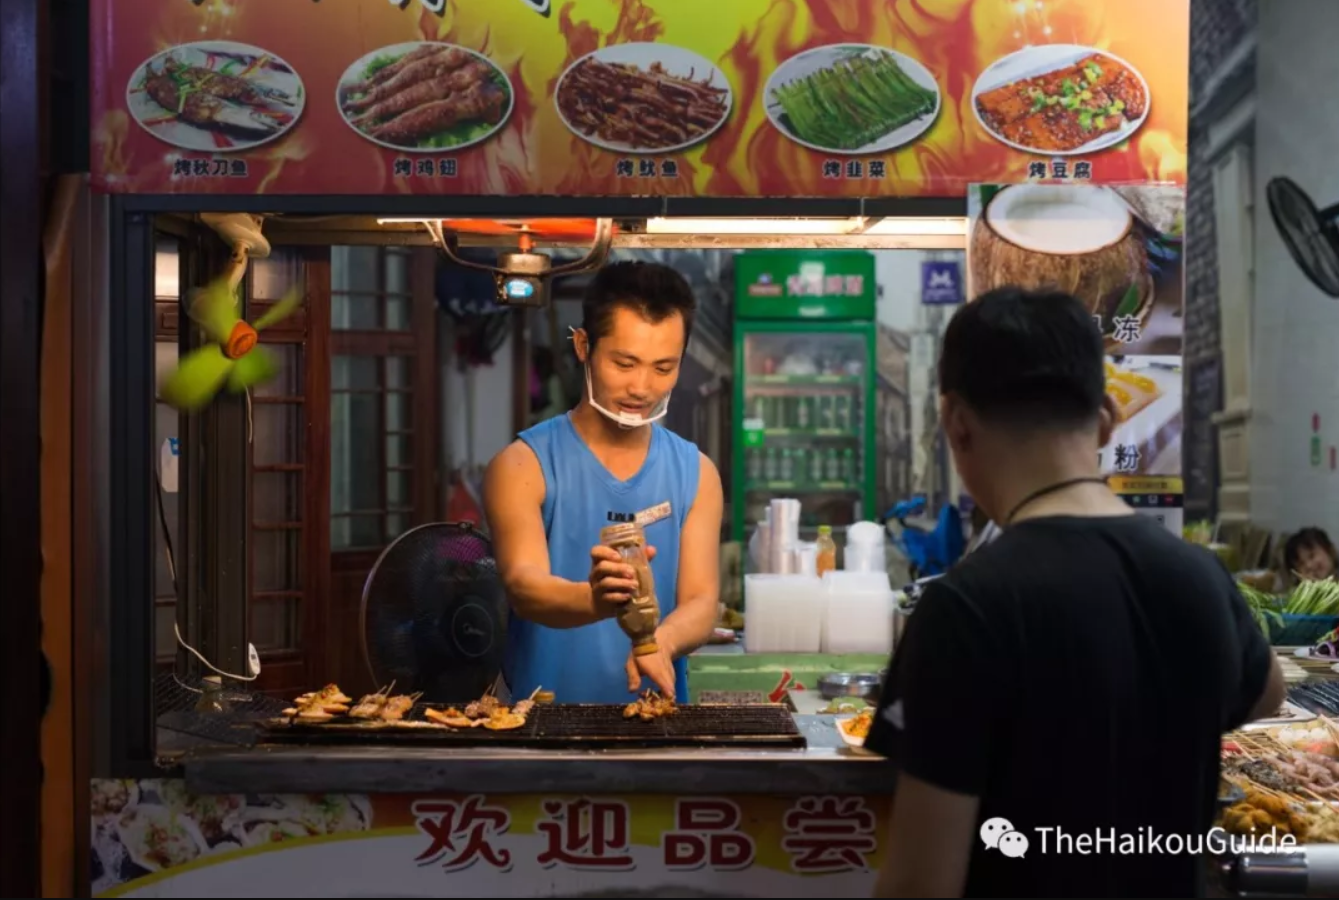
(1216, 27)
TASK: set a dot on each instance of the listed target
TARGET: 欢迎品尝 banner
(751, 98)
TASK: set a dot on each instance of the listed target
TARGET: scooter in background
(931, 546)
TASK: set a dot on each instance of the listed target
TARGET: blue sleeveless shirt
(588, 664)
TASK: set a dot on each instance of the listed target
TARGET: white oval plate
(1032, 61)
(354, 74)
(675, 61)
(810, 61)
(280, 77)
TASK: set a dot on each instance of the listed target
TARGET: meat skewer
(432, 67)
(386, 73)
(484, 101)
(425, 92)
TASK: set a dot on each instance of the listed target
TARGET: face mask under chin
(625, 420)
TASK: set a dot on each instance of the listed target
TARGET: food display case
(804, 391)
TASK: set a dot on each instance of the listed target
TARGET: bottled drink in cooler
(848, 466)
(769, 465)
(787, 465)
(816, 465)
(832, 470)
(841, 412)
(827, 551)
(804, 412)
(754, 457)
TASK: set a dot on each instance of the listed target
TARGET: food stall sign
(660, 98)
(805, 284)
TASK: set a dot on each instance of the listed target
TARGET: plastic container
(784, 613)
(859, 612)
(640, 616)
(866, 548)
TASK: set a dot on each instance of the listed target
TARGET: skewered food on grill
(649, 706)
(320, 706)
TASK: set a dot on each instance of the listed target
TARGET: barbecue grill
(580, 727)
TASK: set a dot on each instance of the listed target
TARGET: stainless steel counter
(827, 766)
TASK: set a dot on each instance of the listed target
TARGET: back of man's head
(1025, 361)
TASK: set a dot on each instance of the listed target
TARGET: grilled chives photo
(854, 98)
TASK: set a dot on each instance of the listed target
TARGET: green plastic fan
(234, 358)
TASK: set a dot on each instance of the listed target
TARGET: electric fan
(1309, 233)
(434, 614)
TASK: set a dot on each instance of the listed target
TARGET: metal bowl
(847, 684)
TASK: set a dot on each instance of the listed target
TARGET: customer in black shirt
(1078, 672)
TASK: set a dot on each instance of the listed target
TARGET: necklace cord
(1051, 489)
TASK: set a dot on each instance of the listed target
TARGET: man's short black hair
(1030, 360)
(653, 290)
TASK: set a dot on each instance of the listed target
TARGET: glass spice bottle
(640, 616)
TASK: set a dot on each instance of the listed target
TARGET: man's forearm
(549, 600)
(690, 625)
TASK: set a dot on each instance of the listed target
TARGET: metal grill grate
(583, 727)
(181, 727)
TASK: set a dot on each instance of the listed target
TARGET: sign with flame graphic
(752, 98)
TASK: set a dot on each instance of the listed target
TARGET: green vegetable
(1314, 598)
(853, 103)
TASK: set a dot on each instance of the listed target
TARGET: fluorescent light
(753, 226)
(953, 225)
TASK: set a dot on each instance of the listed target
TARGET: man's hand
(612, 581)
(658, 666)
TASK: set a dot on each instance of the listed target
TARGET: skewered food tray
(648, 722)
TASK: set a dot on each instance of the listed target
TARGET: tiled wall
(1216, 28)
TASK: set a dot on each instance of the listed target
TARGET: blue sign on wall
(941, 283)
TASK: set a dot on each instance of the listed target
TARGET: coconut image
(1080, 239)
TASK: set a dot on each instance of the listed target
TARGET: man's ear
(1106, 420)
(957, 428)
(581, 345)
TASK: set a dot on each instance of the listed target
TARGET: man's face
(636, 364)
(1314, 564)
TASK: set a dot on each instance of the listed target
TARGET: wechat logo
(999, 834)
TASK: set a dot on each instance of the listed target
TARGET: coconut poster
(1120, 250)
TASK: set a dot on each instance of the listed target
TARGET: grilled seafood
(503, 720)
(201, 108)
(649, 706)
(452, 717)
(483, 707)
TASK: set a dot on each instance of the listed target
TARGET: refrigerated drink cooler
(805, 370)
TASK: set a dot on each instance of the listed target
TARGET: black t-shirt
(1077, 674)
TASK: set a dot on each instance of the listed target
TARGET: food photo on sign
(634, 97)
(1119, 249)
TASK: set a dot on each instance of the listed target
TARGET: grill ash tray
(564, 727)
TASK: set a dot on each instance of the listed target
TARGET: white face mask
(624, 419)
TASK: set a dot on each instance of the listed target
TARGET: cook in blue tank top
(548, 495)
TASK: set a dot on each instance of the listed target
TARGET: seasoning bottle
(211, 697)
(640, 616)
(827, 551)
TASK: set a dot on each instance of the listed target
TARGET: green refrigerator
(804, 403)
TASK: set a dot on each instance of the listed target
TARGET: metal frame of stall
(124, 712)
